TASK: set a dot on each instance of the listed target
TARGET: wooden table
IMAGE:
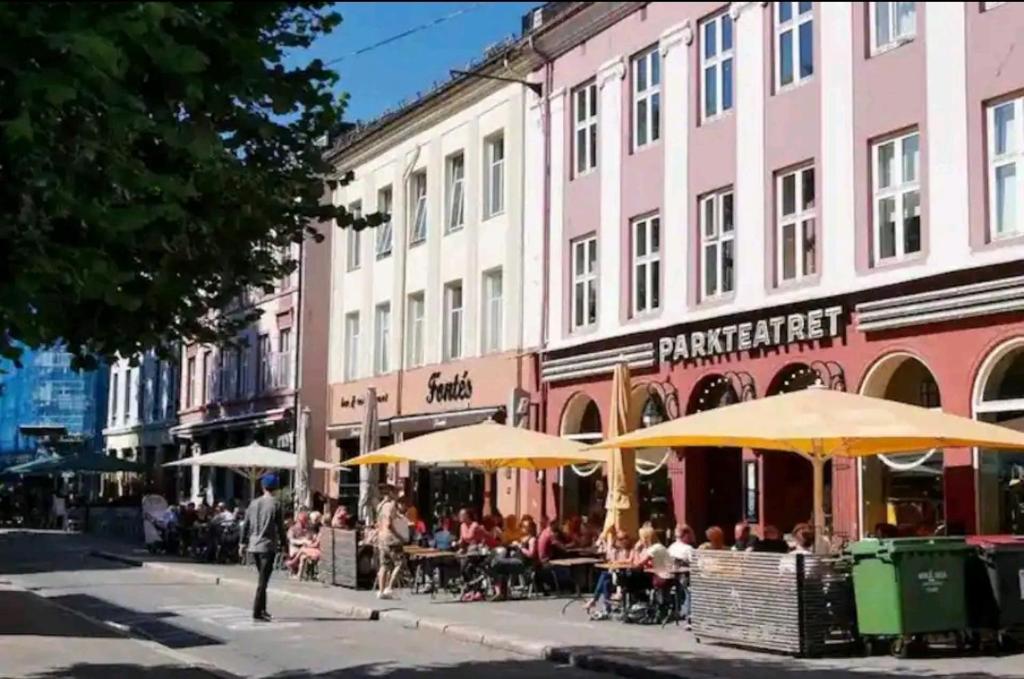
(616, 566)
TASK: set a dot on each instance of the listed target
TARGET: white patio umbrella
(251, 461)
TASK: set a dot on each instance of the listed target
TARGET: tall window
(129, 376)
(351, 346)
(414, 331)
(384, 231)
(584, 282)
(1005, 163)
(646, 265)
(455, 181)
(892, 24)
(452, 320)
(716, 64)
(494, 180)
(794, 42)
(244, 369)
(585, 122)
(115, 396)
(228, 373)
(210, 375)
(646, 98)
(263, 352)
(285, 359)
(897, 197)
(418, 207)
(795, 236)
(491, 328)
(718, 247)
(156, 387)
(354, 239)
(382, 339)
(190, 382)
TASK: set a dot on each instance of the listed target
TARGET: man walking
(389, 544)
(262, 535)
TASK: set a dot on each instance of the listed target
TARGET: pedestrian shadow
(25, 614)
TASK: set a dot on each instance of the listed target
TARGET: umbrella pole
(818, 464)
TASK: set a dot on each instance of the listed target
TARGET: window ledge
(1005, 239)
(721, 299)
(450, 231)
(642, 316)
(718, 116)
(581, 175)
(583, 330)
(896, 262)
(648, 145)
(889, 47)
(807, 281)
(383, 255)
(492, 216)
(783, 89)
(415, 243)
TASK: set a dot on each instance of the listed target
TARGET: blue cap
(269, 481)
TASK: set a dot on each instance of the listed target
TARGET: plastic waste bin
(910, 586)
(995, 584)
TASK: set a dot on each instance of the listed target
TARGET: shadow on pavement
(25, 614)
(25, 552)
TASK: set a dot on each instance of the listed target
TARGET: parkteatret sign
(772, 331)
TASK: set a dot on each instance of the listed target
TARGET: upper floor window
(382, 339)
(584, 101)
(263, 356)
(384, 231)
(718, 246)
(494, 179)
(455, 181)
(794, 42)
(244, 369)
(129, 376)
(190, 382)
(285, 359)
(353, 253)
(452, 339)
(351, 346)
(115, 396)
(1005, 162)
(418, 207)
(491, 328)
(795, 234)
(228, 373)
(210, 375)
(646, 265)
(154, 383)
(584, 282)
(892, 24)
(716, 51)
(897, 197)
(414, 330)
(646, 98)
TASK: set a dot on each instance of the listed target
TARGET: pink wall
(888, 96)
(995, 69)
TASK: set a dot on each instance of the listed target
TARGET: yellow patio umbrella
(623, 513)
(487, 445)
(818, 424)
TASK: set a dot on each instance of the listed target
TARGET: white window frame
(190, 385)
(986, 6)
(115, 396)
(352, 331)
(455, 190)
(648, 94)
(210, 377)
(285, 359)
(494, 175)
(896, 39)
(717, 236)
(264, 351)
(792, 25)
(382, 338)
(492, 327)
(418, 205)
(353, 253)
(797, 219)
(899, 190)
(385, 232)
(716, 61)
(586, 109)
(454, 328)
(584, 283)
(1012, 157)
(644, 265)
(415, 309)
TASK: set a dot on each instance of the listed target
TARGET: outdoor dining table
(574, 565)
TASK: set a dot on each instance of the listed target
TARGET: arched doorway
(652, 404)
(584, 487)
(714, 476)
(999, 398)
(904, 490)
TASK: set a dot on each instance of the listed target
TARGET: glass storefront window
(1000, 400)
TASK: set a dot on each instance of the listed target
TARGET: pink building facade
(746, 198)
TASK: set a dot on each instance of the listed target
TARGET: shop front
(955, 342)
(425, 400)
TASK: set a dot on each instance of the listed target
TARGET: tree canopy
(156, 159)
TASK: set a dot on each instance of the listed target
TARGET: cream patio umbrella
(623, 513)
(251, 461)
(486, 445)
(818, 424)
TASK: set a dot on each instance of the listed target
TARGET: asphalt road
(61, 611)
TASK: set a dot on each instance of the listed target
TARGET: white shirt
(680, 551)
(661, 560)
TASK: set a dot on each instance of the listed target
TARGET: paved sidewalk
(538, 628)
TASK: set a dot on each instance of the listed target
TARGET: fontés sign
(773, 331)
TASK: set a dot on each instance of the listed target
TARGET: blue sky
(382, 78)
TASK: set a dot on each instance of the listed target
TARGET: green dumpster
(995, 585)
(909, 586)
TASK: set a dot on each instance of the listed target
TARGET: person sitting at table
(551, 543)
(489, 536)
(684, 546)
(203, 511)
(222, 515)
(417, 527)
(299, 535)
(443, 538)
(571, 531)
(618, 551)
(715, 539)
(744, 537)
(341, 518)
(803, 535)
(590, 531)
(498, 523)
(528, 539)
(773, 543)
(310, 552)
(511, 534)
(470, 532)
